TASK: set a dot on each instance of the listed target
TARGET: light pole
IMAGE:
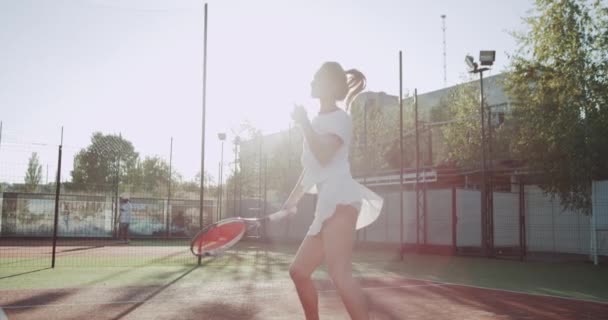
(168, 225)
(237, 141)
(486, 59)
(222, 137)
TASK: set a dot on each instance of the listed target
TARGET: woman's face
(321, 85)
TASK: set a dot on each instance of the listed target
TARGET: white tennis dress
(333, 182)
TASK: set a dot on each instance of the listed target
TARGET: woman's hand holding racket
(225, 233)
(281, 214)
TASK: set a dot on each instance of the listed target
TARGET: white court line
(442, 283)
(50, 305)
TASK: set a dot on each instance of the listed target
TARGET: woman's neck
(328, 106)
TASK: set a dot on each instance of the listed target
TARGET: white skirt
(344, 190)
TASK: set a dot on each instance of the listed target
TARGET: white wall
(506, 219)
(468, 211)
(439, 229)
(549, 228)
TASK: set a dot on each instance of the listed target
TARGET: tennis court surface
(251, 282)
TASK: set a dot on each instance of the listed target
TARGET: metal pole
(202, 187)
(168, 228)
(116, 203)
(424, 210)
(454, 221)
(0, 134)
(365, 150)
(240, 180)
(489, 176)
(217, 206)
(417, 137)
(264, 235)
(221, 181)
(445, 68)
(401, 154)
(484, 191)
(265, 183)
(594, 237)
(259, 180)
(234, 177)
(366, 167)
(57, 192)
(522, 221)
(430, 149)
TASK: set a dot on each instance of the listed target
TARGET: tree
(558, 79)
(283, 165)
(150, 175)
(190, 189)
(425, 115)
(249, 162)
(107, 157)
(461, 135)
(375, 133)
(33, 175)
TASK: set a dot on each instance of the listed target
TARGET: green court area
(139, 264)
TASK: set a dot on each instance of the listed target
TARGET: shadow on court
(389, 298)
(24, 273)
(151, 296)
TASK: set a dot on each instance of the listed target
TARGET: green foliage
(463, 137)
(249, 162)
(149, 175)
(33, 175)
(461, 134)
(375, 125)
(376, 134)
(107, 157)
(559, 78)
(284, 165)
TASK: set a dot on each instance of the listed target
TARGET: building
(288, 143)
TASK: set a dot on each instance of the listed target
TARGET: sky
(134, 67)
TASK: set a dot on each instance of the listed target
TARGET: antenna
(445, 67)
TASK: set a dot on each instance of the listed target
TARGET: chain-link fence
(112, 205)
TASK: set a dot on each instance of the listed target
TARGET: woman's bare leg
(338, 240)
(308, 258)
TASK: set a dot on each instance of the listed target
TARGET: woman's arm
(323, 147)
(295, 195)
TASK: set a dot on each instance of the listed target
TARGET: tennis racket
(220, 236)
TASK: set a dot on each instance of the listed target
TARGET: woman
(343, 205)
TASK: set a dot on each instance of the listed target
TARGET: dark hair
(349, 83)
(356, 82)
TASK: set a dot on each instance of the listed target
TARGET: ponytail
(356, 83)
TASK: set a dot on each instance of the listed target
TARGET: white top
(333, 182)
(125, 213)
(337, 123)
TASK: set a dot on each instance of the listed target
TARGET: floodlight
(487, 57)
(470, 62)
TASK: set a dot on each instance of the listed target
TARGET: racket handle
(281, 214)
